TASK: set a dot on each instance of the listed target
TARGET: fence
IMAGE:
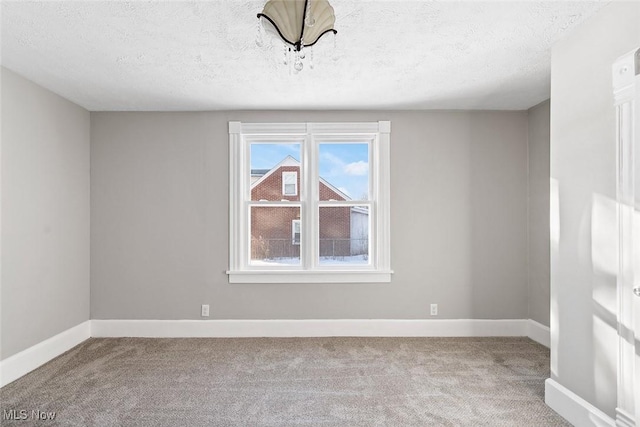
(328, 248)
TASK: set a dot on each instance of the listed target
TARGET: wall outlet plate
(205, 310)
(434, 309)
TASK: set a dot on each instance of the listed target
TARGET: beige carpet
(290, 382)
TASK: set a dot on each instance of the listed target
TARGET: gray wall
(159, 215)
(45, 214)
(539, 138)
(583, 165)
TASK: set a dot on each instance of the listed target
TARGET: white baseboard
(309, 328)
(539, 333)
(27, 360)
(573, 408)
(624, 419)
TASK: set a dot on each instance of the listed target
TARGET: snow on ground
(355, 259)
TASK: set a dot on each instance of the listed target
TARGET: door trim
(625, 85)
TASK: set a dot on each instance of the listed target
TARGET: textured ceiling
(186, 55)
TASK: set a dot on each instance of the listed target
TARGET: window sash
(322, 242)
(309, 135)
(273, 244)
(370, 140)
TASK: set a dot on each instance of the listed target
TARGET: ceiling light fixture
(299, 24)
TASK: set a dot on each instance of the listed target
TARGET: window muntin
(308, 145)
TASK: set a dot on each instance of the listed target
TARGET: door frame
(626, 91)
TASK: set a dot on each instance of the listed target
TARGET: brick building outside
(275, 231)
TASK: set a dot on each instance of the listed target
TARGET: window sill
(257, 276)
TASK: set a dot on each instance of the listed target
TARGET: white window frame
(293, 232)
(295, 183)
(309, 135)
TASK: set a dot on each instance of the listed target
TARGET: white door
(626, 84)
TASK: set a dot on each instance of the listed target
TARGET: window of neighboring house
(289, 183)
(336, 177)
(295, 232)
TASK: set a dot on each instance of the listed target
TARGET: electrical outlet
(434, 309)
(205, 310)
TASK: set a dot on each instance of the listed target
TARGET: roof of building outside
(261, 174)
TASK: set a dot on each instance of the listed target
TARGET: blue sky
(346, 166)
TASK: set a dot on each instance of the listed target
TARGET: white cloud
(357, 168)
(333, 162)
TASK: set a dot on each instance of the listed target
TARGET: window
(289, 183)
(295, 232)
(309, 202)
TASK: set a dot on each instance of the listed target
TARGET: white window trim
(310, 134)
(295, 183)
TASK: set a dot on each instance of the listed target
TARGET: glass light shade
(289, 19)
